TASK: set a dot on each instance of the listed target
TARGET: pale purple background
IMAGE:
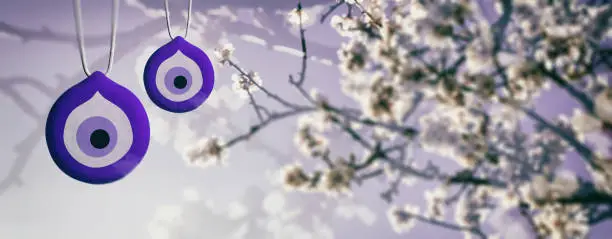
(38, 201)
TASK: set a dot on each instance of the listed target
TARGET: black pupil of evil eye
(180, 82)
(99, 138)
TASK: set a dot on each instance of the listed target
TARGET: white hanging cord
(167, 9)
(81, 38)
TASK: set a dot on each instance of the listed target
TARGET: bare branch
(268, 93)
(331, 10)
(273, 117)
(303, 44)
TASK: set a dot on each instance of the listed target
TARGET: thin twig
(447, 225)
(583, 98)
(303, 45)
(268, 93)
(256, 107)
(272, 118)
(330, 10)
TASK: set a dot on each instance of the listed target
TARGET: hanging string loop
(81, 38)
(167, 10)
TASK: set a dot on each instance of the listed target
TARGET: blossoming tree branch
(474, 82)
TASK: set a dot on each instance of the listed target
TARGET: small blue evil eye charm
(179, 76)
(97, 131)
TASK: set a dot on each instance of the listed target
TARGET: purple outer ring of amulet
(165, 52)
(76, 96)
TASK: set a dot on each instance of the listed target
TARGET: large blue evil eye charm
(97, 131)
(179, 76)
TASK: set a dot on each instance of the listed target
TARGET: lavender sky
(164, 196)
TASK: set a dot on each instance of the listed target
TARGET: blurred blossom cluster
(438, 76)
(205, 152)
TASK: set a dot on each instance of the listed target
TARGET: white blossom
(584, 123)
(603, 105)
(294, 177)
(344, 25)
(562, 185)
(436, 203)
(297, 16)
(206, 152)
(245, 84)
(338, 179)
(479, 53)
(525, 80)
(402, 219)
(225, 52)
(562, 221)
(602, 177)
(309, 140)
